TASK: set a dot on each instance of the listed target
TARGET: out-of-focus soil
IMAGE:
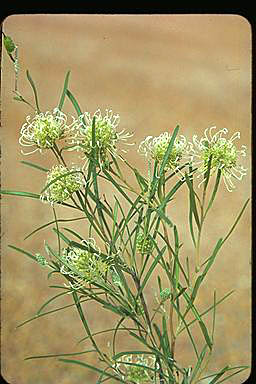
(156, 71)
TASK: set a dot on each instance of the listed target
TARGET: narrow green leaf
(168, 151)
(233, 374)
(23, 251)
(205, 333)
(191, 227)
(214, 314)
(59, 354)
(46, 313)
(19, 193)
(221, 373)
(199, 319)
(160, 337)
(92, 367)
(241, 368)
(207, 174)
(215, 189)
(199, 363)
(73, 233)
(52, 222)
(167, 347)
(170, 194)
(196, 287)
(75, 104)
(162, 215)
(62, 236)
(236, 221)
(212, 258)
(64, 91)
(207, 310)
(39, 167)
(176, 265)
(192, 200)
(34, 90)
(117, 186)
(163, 164)
(151, 269)
(187, 329)
(51, 300)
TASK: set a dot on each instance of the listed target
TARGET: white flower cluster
(106, 135)
(224, 154)
(44, 129)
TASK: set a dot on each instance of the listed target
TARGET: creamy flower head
(66, 184)
(84, 265)
(155, 148)
(106, 135)
(44, 129)
(224, 155)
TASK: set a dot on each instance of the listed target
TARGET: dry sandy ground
(156, 72)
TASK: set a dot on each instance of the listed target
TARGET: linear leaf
(52, 299)
(236, 221)
(64, 91)
(74, 102)
(39, 167)
(52, 222)
(199, 363)
(192, 200)
(221, 373)
(34, 90)
(23, 251)
(215, 189)
(207, 310)
(19, 193)
(102, 372)
(151, 269)
(59, 354)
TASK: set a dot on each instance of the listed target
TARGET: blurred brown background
(156, 71)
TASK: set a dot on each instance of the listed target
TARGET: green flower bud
(9, 44)
(144, 244)
(138, 374)
(165, 294)
(41, 259)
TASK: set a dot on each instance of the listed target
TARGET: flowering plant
(137, 235)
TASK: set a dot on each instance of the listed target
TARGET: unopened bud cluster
(64, 182)
(84, 265)
(138, 373)
(144, 244)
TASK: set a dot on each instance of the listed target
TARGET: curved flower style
(66, 184)
(155, 148)
(44, 129)
(224, 153)
(84, 266)
(106, 135)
